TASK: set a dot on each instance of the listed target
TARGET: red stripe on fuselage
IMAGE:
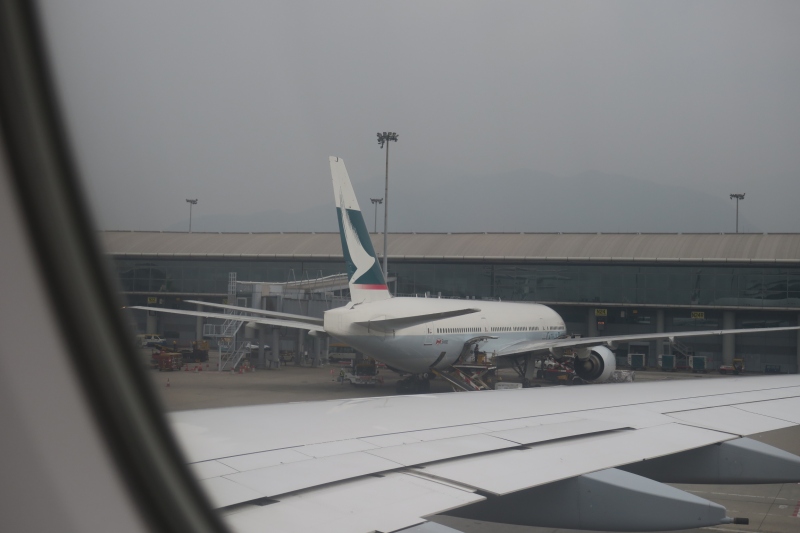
(372, 287)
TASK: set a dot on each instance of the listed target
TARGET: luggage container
(637, 360)
(697, 363)
(667, 362)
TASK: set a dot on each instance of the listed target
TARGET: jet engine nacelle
(598, 366)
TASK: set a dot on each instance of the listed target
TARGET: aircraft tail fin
(367, 282)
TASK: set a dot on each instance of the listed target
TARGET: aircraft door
(428, 334)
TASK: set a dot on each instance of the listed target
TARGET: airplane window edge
(72, 269)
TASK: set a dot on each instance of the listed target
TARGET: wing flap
(223, 492)
(395, 501)
(290, 477)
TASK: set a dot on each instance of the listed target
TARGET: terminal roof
(777, 248)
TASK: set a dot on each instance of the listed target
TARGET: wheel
(425, 376)
(424, 386)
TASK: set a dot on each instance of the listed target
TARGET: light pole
(191, 203)
(738, 197)
(376, 202)
(384, 138)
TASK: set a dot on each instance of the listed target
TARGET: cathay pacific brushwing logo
(358, 255)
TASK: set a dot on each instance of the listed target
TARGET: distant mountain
(532, 201)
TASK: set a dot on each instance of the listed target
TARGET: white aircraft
(423, 336)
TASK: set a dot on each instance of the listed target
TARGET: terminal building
(601, 284)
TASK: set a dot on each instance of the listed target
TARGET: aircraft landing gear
(414, 385)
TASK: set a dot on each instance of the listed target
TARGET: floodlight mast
(191, 203)
(737, 197)
(376, 202)
(385, 138)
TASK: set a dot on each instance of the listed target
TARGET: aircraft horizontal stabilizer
(408, 321)
(276, 314)
(244, 318)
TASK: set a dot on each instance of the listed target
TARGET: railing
(231, 358)
(682, 348)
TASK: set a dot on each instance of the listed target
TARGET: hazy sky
(240, 103)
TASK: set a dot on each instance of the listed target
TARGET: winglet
(367, 283)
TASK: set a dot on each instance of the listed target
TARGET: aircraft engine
(599, 366)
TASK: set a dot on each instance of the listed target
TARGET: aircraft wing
(288, 316)
(560, 457)
(612, 341)
(384, 324)
(244, 318)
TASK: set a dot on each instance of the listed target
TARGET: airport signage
(152, 299)
(601, 312)
(699, 315)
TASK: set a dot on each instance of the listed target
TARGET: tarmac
(773, 508)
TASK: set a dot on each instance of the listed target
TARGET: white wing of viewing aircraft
(578, 458)
(423, 336)
(586, 458)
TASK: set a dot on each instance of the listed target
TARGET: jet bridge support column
(301, 346)
(659, 329)
(198, 328)
(728, 341)
(262, 341)
(591, 323)
(275, 352)
(152, 322)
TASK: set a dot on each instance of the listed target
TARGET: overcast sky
(240, 103)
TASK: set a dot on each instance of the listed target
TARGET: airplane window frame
(45, 180)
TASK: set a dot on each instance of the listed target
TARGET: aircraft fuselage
(439, 343)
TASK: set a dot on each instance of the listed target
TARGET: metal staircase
(229, 352)
(230, 359)
(682, 354)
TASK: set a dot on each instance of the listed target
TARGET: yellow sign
(152, 299)
(601, 312)
(699, 314)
